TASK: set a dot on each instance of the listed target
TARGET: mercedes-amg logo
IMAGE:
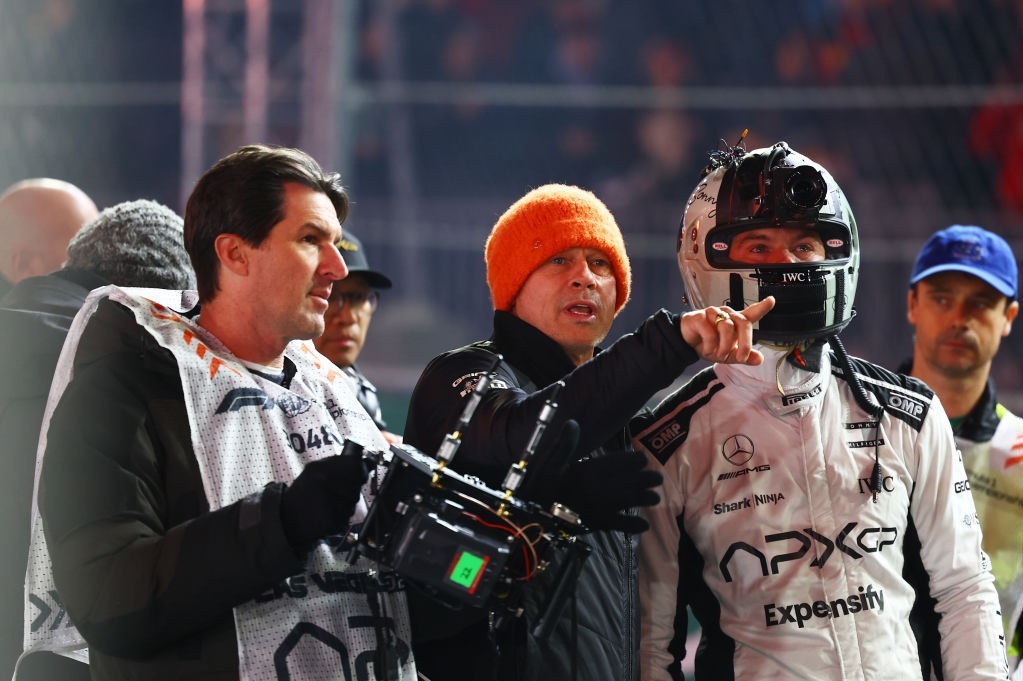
(737, 450)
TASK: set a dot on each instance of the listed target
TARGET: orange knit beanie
(544, 222)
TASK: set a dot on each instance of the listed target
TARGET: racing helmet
(770, 187)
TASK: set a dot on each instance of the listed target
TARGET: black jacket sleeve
(602, 395)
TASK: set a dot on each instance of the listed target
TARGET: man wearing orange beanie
(558, 275)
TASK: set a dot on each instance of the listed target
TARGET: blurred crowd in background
(449, 109)
(799, 67)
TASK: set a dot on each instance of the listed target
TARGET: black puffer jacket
(597, 636)
(148, 574)
(35, 316)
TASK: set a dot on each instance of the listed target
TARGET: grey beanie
(134, 243)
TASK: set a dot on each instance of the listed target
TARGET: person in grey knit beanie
(134, 243)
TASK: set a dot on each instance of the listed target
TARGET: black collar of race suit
(530, 350)
(807, 358)
(980, 423)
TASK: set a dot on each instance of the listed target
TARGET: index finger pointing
(757, 310)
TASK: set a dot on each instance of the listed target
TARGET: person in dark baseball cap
(346, 323)
(962, 302)
(355, 258)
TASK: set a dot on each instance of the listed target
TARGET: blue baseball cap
(970, 249)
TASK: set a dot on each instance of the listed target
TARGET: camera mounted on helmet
(766, 189)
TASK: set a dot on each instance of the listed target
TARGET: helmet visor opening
(725, 250)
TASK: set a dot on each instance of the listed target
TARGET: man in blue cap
(962, 302)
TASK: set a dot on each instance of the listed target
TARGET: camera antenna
(447, 449)
(726, 155)
(518, 470)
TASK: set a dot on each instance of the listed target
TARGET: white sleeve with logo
(972, 645)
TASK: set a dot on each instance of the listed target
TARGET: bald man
(38, 217)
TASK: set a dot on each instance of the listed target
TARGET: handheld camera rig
(466, 544)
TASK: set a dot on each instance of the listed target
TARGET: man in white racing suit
(796, 491)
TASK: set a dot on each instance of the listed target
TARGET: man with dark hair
(193, 492)
(962, 301)
(38, 217)
(353, 300)
(251, 204)
(136, 243)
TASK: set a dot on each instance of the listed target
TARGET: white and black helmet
(771, 187)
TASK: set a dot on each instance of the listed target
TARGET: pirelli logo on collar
(795, 398)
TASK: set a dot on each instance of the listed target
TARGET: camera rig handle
(517, 472)
(447, 449)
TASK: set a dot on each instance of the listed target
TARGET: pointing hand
(721, 334)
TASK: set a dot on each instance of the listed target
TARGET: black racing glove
(321, 500)
(601, 490)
